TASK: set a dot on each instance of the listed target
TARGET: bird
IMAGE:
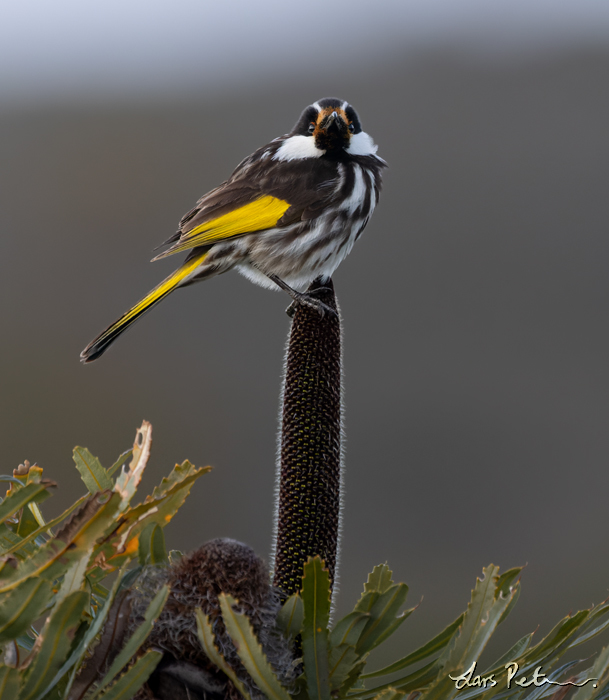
(289, 214)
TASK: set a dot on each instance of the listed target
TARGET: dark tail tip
(92, 352)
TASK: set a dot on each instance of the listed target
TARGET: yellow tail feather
(98, 346)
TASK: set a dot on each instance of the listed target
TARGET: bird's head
(332, 126)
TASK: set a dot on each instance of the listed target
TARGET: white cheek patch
(362, 145)
(297, 148)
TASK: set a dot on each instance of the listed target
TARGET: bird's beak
(334, 122)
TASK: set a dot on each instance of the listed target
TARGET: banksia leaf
(417, 680)
(556, 642)
(129, 479)
(131, 681)
(9, 683)
(290, 617)
(316, 599)
(383, 617)
(9, 541)
(596, 623)
(53, 645)
(136, 640)
(206, 637)
(21, 607)
(514, 652)
(487, 606)
(348, 629)
(76, 657)
(250, 651)
(341, 662)
(152, 546)
(18, 498)
(352, 678)
(599, 671)
(70, 543)
(344, 658)
(379, 580)
(434, 646)
(119, 462)
(389, 694)
(91, 471)
(159, 509)
(180, 474)
(23, 543)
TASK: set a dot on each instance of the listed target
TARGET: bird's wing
(268, 196)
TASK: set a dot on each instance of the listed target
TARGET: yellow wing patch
(258, 215)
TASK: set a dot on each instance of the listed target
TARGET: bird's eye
(351, 128)
(312, 126)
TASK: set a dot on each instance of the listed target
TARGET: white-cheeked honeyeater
(288, 214)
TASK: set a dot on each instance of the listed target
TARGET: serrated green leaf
(316, 596)
(434, 646)
(20, 543)
(353, 677)
(174, 556)
(75, 574)
(21, 607)
(291, 615)
(75, 659)
(8, 540)
(73, 542)
(249, 650)
(179, 474)
(151, 548)
(555, 643)
(416, 680)
(91, 471)
(393, 626)
(599, 671)
(9, 682)
(480, 621)
(131, 681)
(507, 580)
(546, 689)
(389, 694)
(53, 645)
(119, 462)
(129, 479)
(124, 543)
(28, 520)
(18, 498)
(341, 661)
(348, 629)
(513, 653)
(514, 595)
(206, 637)
(383, 615)
(597, 622)
(136, 640)
(379, 580)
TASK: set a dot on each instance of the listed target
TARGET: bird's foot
(308, 299)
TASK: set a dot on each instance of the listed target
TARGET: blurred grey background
(475, 305)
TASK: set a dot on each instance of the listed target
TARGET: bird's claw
(308, 300)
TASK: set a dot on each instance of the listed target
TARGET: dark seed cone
(308, 506)
(220, 565)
